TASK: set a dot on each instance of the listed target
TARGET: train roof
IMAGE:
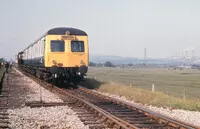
(63, 30)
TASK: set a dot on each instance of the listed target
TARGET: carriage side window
(77, 46)
(57, 46)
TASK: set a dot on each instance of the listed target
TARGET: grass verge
(1, 75)
(142, 96)
(173, 82)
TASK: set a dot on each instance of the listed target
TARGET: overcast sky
(115, 27)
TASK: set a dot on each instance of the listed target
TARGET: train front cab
(67, 54)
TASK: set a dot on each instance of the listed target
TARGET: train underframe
(57, 75)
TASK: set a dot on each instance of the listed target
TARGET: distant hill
(117, 60)
(113, 59)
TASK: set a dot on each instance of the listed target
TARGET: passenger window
(57, 46)
(77, 46)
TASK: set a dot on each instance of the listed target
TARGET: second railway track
(4, 123)
(99, 111)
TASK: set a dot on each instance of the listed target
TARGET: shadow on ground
(87, 83)
(91, 83)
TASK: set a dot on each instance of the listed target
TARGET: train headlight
(55, 75)
(82, 69)
(79, 73)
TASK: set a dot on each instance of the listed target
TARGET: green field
(171, 82)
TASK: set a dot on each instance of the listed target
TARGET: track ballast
(100, 111)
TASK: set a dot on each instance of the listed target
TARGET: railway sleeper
(91, 122)
(4, 117)
(1, 107)
(112, 124)
(75, 106)
(143, 122)
(102, 102)
(3, 104)
(6, 91)
(42, 104)
(108, 108)
(85, 113)
(3, 96)
(3, 110)
(86, 116)
(3, 113)
(97, 126)
(117, 107)
(89, 119)
(129, 115)
(136, 118)
(4, 121)
(80, 110)
(3, 126)
(151, 126)
(122, 112)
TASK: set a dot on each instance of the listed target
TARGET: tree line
(106, 64)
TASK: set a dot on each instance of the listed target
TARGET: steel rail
(153, 115)
(3, 103)
(116, 122)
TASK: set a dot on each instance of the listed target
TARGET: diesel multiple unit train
(60, 55)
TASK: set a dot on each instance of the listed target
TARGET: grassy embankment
(1, 74)
(164, 80)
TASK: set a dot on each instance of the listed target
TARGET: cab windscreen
(77, 46)
(57, 46)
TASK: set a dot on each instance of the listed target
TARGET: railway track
(4, 93)
(135, 115)
(99, 111)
